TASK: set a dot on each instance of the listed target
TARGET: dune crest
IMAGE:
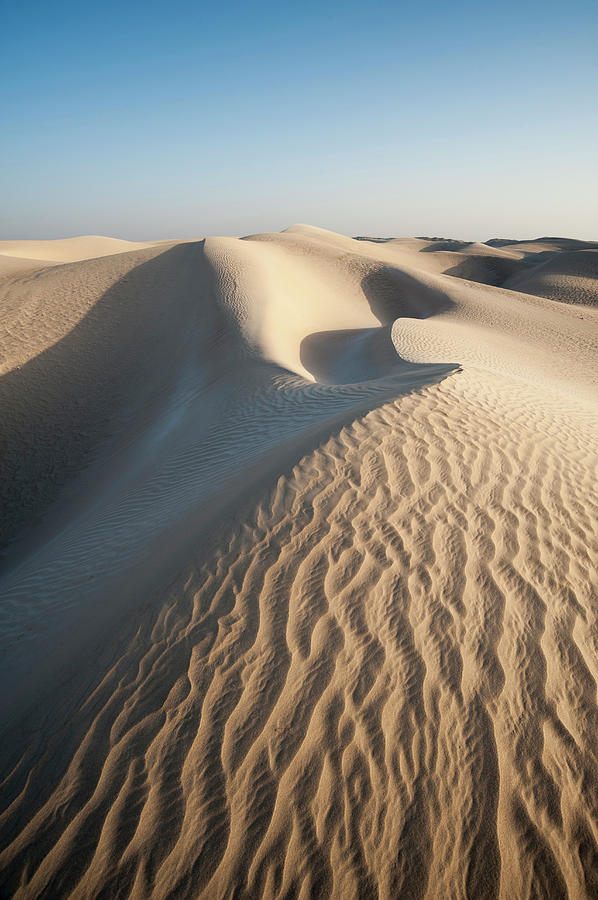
(300, 587)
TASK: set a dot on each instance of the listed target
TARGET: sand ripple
(374, 675)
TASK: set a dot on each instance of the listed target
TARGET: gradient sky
(157, 120)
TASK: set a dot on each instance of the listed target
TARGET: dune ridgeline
(299, 585)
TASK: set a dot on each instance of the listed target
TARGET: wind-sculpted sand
(300, 579)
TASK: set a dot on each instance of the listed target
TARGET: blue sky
(161, 120)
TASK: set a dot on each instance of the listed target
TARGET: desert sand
(299, 586)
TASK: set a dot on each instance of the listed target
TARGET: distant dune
(299, 586)
(20, 257)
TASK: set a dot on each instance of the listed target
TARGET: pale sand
(300, 587)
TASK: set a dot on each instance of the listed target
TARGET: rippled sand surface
(300, 574)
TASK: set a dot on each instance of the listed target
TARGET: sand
(300, 568)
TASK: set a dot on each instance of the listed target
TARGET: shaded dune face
(334, 598)
(570, 277)
(77, 373)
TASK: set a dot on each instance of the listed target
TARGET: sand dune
(300, 579)
(69, 249)
(21, 257)
(569, 276)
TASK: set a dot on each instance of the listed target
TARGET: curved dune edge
(377, 676)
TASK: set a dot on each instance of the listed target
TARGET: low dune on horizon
(299, 568)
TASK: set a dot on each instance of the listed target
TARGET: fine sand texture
(299, 574)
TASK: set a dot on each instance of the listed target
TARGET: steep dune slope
(312, 610)
(85, 347)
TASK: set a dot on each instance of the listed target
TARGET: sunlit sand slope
(313, 613)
